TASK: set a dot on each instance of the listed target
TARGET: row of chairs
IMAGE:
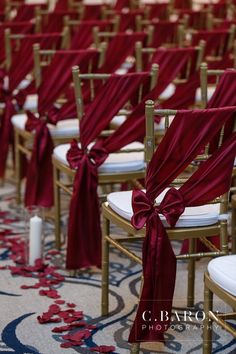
(94, 117)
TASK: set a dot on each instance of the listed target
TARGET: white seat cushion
(67, 127)
(117, 121)
(168, 92)
(210, 91)
(117, 162)
(222, 272)
(204, 215)
(31, 102)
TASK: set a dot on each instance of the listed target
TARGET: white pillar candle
(35, 239)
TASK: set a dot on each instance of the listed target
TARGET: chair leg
(57, 207)
(191, 274)
(233, 224)
(207, 330)
(105, 267)
(18, 169)
(135, 348)
(224, 244)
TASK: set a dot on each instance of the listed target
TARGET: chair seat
(222, 272)
(118, 120)
(67, 127)
(210, 91)
(168, 92)
(117, 162)
(31, 102)
(204, 215)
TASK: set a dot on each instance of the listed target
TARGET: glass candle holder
(34, 221)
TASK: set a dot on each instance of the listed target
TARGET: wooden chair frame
(191, 233)
(212, 288)
(104, 178)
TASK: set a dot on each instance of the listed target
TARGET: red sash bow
(172, 206)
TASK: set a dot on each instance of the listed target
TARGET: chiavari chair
(163, 32)
(64, 130)
(118, 211)
(107, 175)
(218, 42)
(111, 25)
(219, 280)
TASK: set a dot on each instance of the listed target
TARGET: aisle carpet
(20, 307)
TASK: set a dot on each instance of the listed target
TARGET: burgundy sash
(86, 251)
(192, 130)
(16, 75)
(56, 78)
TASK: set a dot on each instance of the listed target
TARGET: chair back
(13, 42)
(92, 80)
(148, 55)
(211, 77)
(168, 114)
(43, 58)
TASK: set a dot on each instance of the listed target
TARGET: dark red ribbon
(172, 206)
(87, 243)
(153, 316)
(39, 184)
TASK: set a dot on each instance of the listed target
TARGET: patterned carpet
(20, 306)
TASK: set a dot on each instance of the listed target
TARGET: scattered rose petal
(103, 349)
(70, 304)
(59, 302)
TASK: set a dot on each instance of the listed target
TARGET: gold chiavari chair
(12, 42)
(72, 24)
(60, 133)
(150, 27)
(219, 280)
(104, 36)
(60, 164)
(224, 44)
(42, 16)
(118, 211)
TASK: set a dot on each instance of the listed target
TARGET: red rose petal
(103, 349)
(59, 302)
(71, 304)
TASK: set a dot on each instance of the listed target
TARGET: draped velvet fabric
(215, 40)
(128, 19)
(159, 11)
(83, 36)
(50, 89)
(27, 11)
(15, 27)
(223, 96)
(188, 134)
(119, 48)
(16, 74)
(165, 32)
(118, 89)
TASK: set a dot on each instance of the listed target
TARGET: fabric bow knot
(172, 206)
(97, 155)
